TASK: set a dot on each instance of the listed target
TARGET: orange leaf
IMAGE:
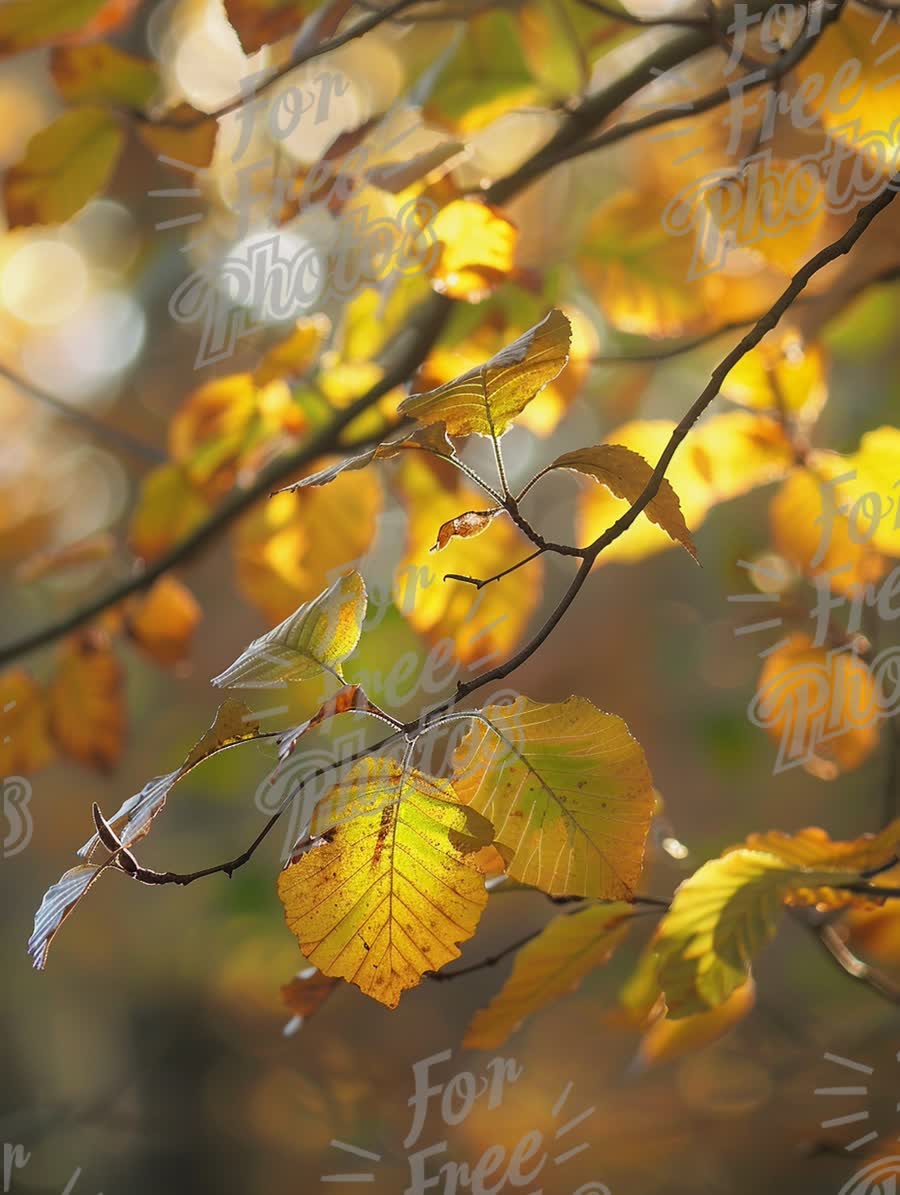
(86, 696)
(25, 744)
(164, 620)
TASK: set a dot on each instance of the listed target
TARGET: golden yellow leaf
(25, 744)
(568, 790)
(483, 626)
(389, 893)
(485, 400)
(477, 250)
(666, 1040)
(749, 209)
(809, 530)
(720, 918)
(318, 637)
(168, 510)
(554, 964)
(294, 355)
(288, 548)
(780, 374)
(87, 702)
(99, 73)
(163, 621)
(820, 705)
(625, 473)
(65, 165)
(874, 494)
(850, 82)
(232, 725)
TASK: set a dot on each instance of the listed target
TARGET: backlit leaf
(720, 918)
(473, 522)
(87, 702)
(389, 893)
(317, 637)
(626, 474)
(65, 165)
(58, 902)
(874, 494)
(553, 965)
(780, 374)
(477, 250)
(568, 790)
(233, 724)
(486, 400)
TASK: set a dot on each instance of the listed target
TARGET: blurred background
(151, 1053)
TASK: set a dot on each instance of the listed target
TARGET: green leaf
(568, 790)
(100, 72)
(316, 638)
(65, 165)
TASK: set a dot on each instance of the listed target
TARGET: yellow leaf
(874, 494)
(387, 894)
(626, 474)
(319, 636)
(25, 24)
(233, 724)
(720, 918)
(294, 355)
(484, 626)
(819, 704)
(850, 82)
(169, 509)
(290, 547)
(99, 73)
(809, 530)
(25, 744)
(163, 621)
(554, 964)
(477, 250)
(65, 165)
(780, 374)
(485, 400)
(666, 1040)
(87, 702)
(568, 790)
(749, 209)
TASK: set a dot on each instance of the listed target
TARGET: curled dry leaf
(626, 474)
(473, 522)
